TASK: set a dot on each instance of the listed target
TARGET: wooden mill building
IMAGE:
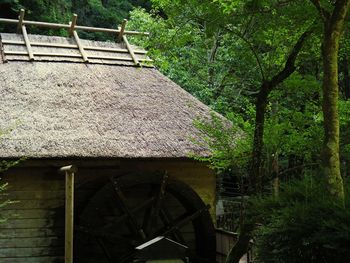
(69, 101)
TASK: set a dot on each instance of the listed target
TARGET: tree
(333, 21)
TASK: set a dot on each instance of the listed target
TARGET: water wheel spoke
(151, 217)
(168, 220)
(102, 234)
(182, 221)
(112, 221)
(123, 205)
(197, 258)
(105, 250)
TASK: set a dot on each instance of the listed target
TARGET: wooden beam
(84, 28)
(114, 50)
(22, 53)
(69, 221)
(20, 21)
(15, 42)
(42, 44)
(122, 29)
(131, 52)
(80, 46)
(26, 40)
(73, 23)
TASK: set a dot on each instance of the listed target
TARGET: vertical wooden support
(20, 21)
(131, 52)
(69, 221)
(80, 46)
(26, 40)
(122, 29)
(73, 24)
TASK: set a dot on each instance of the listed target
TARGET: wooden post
(26, 41)
(20, 21)
(73, 24)
(69, 222)
(122, 29)
(131, 52)
(80, 46)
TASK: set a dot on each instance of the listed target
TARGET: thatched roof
(65, 109)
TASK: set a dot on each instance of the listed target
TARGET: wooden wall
(34, 229)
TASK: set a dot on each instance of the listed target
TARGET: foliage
(229, 145)
(101, 13)
(302, 224)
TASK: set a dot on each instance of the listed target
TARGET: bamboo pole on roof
(80, 46)
(26, 40)
(131, 52)
(122, 29)
(59, 45)
(73, 23)
(66, 26)
(20, 21)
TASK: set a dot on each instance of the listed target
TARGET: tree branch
(339, 14)
(323, 12)
(289, 66)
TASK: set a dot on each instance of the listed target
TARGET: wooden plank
(20, 21)
(31, 242)
(78, 56)
(32, 214)
(48, 259)
(30, 252)
(32, 223)
(116, 50)
(131, 52)
(34, 204)
(31, 232)
(26, 40)
(42, 44)
(32, 195)
(44, 54)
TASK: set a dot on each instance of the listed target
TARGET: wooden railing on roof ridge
(121, 36)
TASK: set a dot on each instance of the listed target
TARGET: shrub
(302, 225)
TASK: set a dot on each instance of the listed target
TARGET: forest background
(263, 65)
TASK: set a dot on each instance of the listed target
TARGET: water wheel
(130, 210)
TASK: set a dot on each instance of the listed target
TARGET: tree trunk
(346, 77)
(258, 143)
(330, 151)
(245, 233)
(333, 28)
(242, 244)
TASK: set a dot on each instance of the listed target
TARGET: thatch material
(60, 109)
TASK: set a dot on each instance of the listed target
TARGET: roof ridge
(72, 27)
